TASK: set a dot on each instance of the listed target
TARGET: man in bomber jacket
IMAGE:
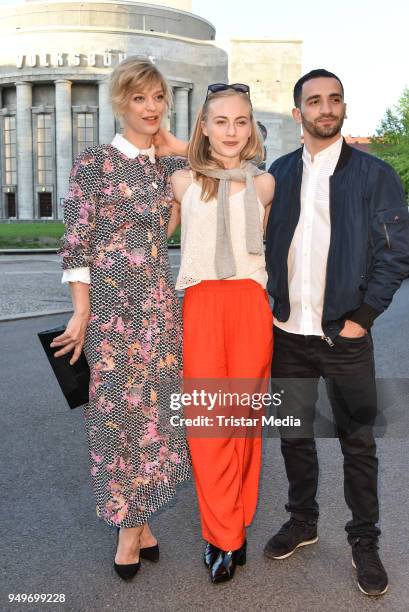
(337, 249)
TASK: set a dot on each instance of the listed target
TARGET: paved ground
(51, 541)
(31, 284)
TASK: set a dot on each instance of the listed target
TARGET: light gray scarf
(224, 260)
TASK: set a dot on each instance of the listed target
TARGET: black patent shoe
(126, 571)
(210, 554)
(225, 564)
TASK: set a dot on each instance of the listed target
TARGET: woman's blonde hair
(199, 152)
(131, 75)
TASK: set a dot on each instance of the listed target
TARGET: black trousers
(348, 369)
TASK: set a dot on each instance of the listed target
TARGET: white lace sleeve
(76, 274)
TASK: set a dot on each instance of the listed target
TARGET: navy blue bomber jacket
(369, 247)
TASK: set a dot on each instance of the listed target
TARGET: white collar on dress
(128, 149)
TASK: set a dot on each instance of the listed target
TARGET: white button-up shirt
(308, 253)
(128, 149)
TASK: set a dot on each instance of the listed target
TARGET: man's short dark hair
(314, 74)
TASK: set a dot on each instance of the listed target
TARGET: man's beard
(318, 130)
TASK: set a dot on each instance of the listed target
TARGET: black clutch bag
(73, 379)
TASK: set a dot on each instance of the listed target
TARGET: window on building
(85, 131)
(9, 150)
(10, 205)
(45, 174)
(45, 204)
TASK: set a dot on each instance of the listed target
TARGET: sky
(365, 42)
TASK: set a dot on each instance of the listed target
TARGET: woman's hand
(73, 338)
(167, 144)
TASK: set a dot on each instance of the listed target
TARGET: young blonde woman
(117, 215)
(227, 320)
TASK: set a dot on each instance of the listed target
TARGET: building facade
(54, 100)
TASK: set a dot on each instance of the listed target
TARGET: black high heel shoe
(126, 571)
(210, 554)
(225, 564)
(150, 553)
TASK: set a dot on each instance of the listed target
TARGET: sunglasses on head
(216, 87)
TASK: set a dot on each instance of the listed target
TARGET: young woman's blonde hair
(131, 75)
(199, 152)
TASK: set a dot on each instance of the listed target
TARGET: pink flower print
(104, 327)
(136, 257)
(147, 305)
(122, 465)
(105, 348)
(133, 396)
(161, 478)
(150, 467)
(109, 189)
(119, 327)
(174, 458)
(145, 352)
(107, 167)
(94, 470)
(116, 510)
(169, 361)
(95, 382)
(125, 438)
(75, 191)
(112, 466)
(125, 190)
(151, 435)
(84, 214)
(87, 159)
(107, 362)
(140, 207)
(139, 481)
(103, 261)
(121, 514)
(114, 487)
(107, 212)
(147, 410)
(163, 453)
(73, 240)
(104, 406)
(96, 458)
(166, 455)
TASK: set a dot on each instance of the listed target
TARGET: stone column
(106, 119)
(24, 135)
(182, 112)
(63, 138)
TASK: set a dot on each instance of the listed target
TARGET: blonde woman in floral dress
(118, 215)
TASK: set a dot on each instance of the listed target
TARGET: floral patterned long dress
(116, 217)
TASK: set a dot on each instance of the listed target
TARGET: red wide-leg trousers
(228, 334)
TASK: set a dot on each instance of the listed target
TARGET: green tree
(391, 142)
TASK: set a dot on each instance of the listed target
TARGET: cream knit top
(198, 240)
